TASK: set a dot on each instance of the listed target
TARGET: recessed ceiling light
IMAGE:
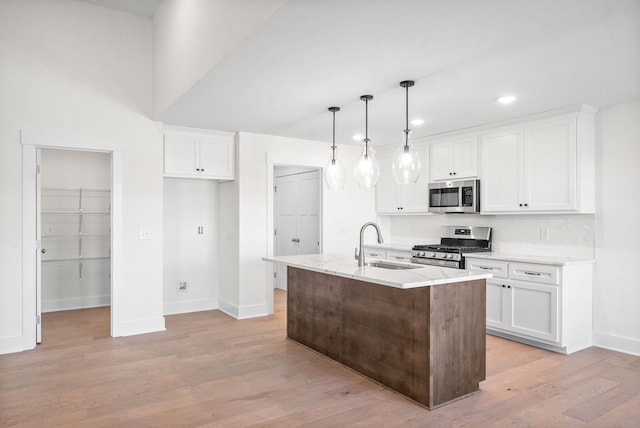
(358, 137)
(507, 99)
(417, 122)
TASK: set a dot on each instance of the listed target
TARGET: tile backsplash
(560, 235)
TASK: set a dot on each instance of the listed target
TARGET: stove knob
(433, 254)
(449, 256)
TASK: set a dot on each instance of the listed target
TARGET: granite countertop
(525, 258)
(347, 267)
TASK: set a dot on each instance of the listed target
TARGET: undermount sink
(387, 265)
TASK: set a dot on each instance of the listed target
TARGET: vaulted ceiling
(463, 54)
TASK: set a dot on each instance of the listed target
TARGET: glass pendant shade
(367, 169)
(335, 174)
(406, 162)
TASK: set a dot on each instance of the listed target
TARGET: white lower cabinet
(539, 304)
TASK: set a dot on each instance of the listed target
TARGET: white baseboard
(9, 345)
(148, 325)
(54, 305)
(186, 306)
(627, 345)
(242, 312)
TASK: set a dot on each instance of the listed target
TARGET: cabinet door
(534, 310)
(415, 196)
(180, 154)
(387, 192)
(550, 165)
(496, 304)
(440, 163)
(217, 156)
(501, 165)
(454, 159)
(465, 157)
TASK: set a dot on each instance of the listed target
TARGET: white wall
(74, 67)
(616, 299)
(191, 37)
(344, 212)
(188, 255)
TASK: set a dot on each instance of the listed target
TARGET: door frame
(287, 160)
(31, 140)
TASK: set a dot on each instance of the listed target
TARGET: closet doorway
(31, 141)
(74, 229)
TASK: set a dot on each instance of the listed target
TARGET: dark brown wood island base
(427, 343)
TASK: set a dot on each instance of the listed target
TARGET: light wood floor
(208, 369)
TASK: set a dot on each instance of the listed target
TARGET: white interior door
(39, 250)
(297, 218)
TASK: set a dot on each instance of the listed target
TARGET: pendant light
(367, 170)
(406, 161)
(334, 173)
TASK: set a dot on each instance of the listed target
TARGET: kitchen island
(419, 331)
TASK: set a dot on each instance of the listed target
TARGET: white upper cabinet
(199, 154)
(394, 198)
(541, 166)
(454, 159)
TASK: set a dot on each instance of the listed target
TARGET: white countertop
(347, 267)
(525, 258)
(391, 246)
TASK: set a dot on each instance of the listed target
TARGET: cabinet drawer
(374, 254)
(496, 267)
(542, 274)
(402, 256)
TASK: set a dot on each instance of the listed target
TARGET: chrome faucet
(360, 254)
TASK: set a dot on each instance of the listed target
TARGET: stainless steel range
(455, 242)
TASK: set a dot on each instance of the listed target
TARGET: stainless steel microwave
(461, 196)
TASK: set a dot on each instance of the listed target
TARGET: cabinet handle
(295, 240)
(450, 173)
(508, 286)
(454, 173)
(526, 205)
(503, 286)
(44, 250)
(398, 257)
(532, 273)
(485, 267)
(373, 254)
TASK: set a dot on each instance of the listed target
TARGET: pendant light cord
(406, 127)
(333, 147)
(366, 127)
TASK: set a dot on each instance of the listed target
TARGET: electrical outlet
(182, 286)
(144, 234)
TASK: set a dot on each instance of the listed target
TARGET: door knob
(44, 250)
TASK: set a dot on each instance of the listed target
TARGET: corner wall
(616, 296)
(78, 68)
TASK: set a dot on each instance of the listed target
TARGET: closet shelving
(75, 225)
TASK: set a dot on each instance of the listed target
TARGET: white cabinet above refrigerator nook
(195, 153)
